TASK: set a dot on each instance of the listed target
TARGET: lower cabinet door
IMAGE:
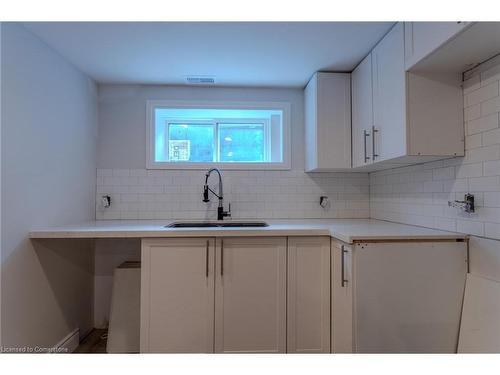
(308, 317)
(342, 298)
(250, 295)
(177, 295)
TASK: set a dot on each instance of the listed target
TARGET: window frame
(285, 164)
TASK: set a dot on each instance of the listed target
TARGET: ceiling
(236, 53)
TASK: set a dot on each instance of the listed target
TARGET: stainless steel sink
(217, 224)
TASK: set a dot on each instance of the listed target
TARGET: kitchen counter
(346, 230)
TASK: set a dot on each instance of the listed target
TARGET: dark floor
(95, 342)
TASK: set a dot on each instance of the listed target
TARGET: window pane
(191, 142)
(241, 143)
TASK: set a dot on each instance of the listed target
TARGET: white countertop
(347, 230)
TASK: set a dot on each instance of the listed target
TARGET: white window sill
(221, 166)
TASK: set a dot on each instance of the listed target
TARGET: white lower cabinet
(300, 295)
(397, 297)
(250, 295)
(308, 312)
(200, 295)
(177, 295)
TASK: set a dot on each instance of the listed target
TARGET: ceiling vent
(200, 80)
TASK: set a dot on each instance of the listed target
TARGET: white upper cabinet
(328, 122)
(389, 130)
(423, 38)
(362, 113)
(402, 118)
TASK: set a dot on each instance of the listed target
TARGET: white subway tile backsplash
(469, 170)
(491, 137)
(483, 154)
(458, 185)
(121, 172)
(492, 199)
(482, 124)
(473, 141)
(475, 228)
(164, 194)
(105, 172)
(490, 106)
(490, 214)
(482, 94)
(433, 186)
(491, 168)
(491, 183)
(490, 75)
(492, 230)
(443, 173)
(472, 113)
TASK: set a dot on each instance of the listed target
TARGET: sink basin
(217, 224)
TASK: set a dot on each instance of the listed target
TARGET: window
(183, 135)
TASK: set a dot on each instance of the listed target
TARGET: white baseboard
(69, 343)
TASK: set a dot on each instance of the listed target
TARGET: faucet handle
(205, 194)
(228, 213)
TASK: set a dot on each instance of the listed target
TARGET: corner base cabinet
(397, 297)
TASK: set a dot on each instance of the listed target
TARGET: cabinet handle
(206, 259)
(342, 271)
(222, 257)
(366, 134)
(374, 155)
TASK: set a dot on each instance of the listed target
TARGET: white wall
(48, 163)
(419, 194)
(162, 194)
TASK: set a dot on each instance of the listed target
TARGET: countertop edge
(158, 233)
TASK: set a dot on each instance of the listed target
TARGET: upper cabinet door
(177, 295)
(308, 302)
(328, 122)
(250, 296)
(423, 38)
(389, 96)
(362, 113)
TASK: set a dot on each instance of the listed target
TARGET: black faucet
(221, 214)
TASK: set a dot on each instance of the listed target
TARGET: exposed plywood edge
(409, 240)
